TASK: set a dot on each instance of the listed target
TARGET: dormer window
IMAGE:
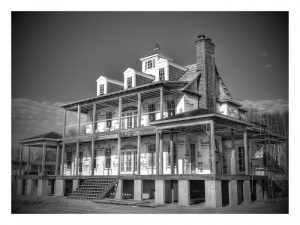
(149, 64)
(129, 82)
(162, 74)
(101, 92)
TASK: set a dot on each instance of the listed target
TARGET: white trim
(154, 55)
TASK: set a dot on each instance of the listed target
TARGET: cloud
(278, 105)
(268, 66)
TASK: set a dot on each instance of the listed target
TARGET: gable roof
(190, 74)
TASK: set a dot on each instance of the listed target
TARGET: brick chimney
(205, 59)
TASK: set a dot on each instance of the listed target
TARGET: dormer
(107, 85)
(161, 66)
(133, 78)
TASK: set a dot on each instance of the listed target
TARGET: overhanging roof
(50, 136)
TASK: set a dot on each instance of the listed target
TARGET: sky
(57, 56)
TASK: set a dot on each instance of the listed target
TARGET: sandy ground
(58, 205)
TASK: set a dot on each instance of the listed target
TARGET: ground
(33, 204)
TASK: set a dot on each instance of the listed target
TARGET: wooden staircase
(94, 188)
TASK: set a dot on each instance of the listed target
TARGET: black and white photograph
(149, 112)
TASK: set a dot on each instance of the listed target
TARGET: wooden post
(157, 152)
(77, 158)
(161, 156)
(172, 152)
(139, 109)
(62, 159)
(162, 102)
(119, 155)
(233, 166)
(57, 160)
(78, 119)
(246, 152)
(64, 123)
(20, 159)
(120, 113)
(139, 154)
(29, 162)
(213, 147)
(94, 117)
(92, 157)
(43, 158)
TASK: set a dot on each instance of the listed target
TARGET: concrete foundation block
(29, 183)
(119, 191)
(75, 184)
(19, 186)
(213, 193)
(246, 191)
(184, 192)
(138, 190)
(59, 189)
(42, 189)
(259, 190)
(160, 192)
(233, 193)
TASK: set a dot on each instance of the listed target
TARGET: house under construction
(170, 133)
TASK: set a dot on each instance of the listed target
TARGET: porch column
(94, 117)
(161, 156)
(138, 190)
(43, 158)
(119, 191)
(76, 158)
(160, 192)
(92, 157)
(62, 159)
(161, 103)
(119, 155)
(246, 152)
(213, 193)
(139, 110)
(157, 152)
(233, 155)
(171, 153)
(184, 192)
(246, 191)
(64, 123)
(139, 154)
(259, 190)
(78, 120)
(233, 193)
(20, 159)
(120, 113)
(29, 162)
(57, 160)
(213, 147)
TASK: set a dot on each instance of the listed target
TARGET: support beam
(160, 192)
(184, 192)
(157, 152)
(94, 117)
(161, 103)
(120, 113)
(138, 190)
(233, 155)
(29, 183)
(62, 159)
(92, 157)
(233, 193)
(42, 189)
(44, 151)
(57, 160)
(59, 189)
(246, 152)
(213, 147)
(75, 184)
(161, 154)
(78, 120)
(259, 190)
(29, 161)
(77, 158)
(213, 193)
(138, 154)
(119, 191)
(139, 109)
(119, 155)
(246, 191)
(64, 123)
(20, 159)
(172, 152)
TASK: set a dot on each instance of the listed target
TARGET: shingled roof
(50, 135)
(190, 74)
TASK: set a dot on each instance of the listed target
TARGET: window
(69, 159)
(107, 158)
(108, 119)
(101, 89)
(162, 74)
(95, 160)
(151, 155)
(129, 82)
(241, 155)
(151, 108)
(193, 156)
(149, 64)
(200, 166)
(171, 107)
(122, 162)
(174, 155)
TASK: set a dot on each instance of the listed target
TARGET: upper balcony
(124, 112)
